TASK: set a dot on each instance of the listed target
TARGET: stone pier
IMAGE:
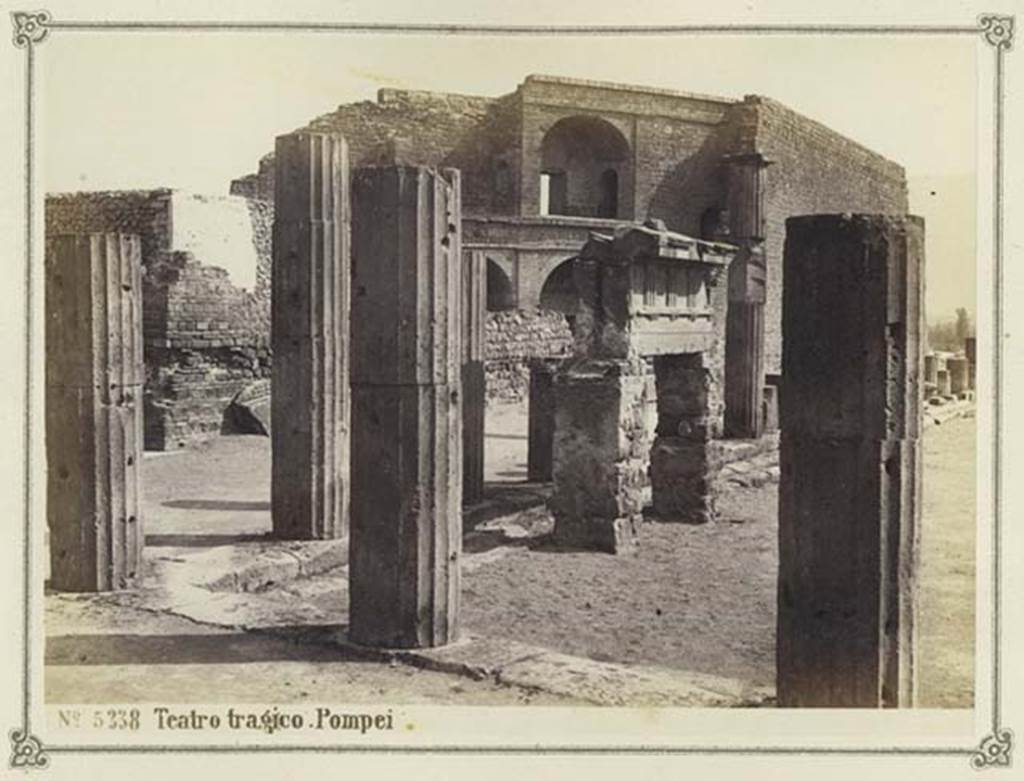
(959, 375)
(943, 382)
(971, 353)
(684, 457)
(309, 335)
(849, 505)
(94, 379)
(602, 445)
(407, 470)
(541, 417)
(931, 369)
(474, 378)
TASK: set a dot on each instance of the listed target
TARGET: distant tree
(948, 335)
(963, 325)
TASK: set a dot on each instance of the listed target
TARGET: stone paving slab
(600, 683)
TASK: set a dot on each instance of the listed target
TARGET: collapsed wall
(478, 135)
(206, 298)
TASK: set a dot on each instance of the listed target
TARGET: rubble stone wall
(514, 338)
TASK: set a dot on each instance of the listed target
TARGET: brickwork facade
(676, 143)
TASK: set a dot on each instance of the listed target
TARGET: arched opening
(608, 206)
(500, 295)
(559, 290)
(583, 162)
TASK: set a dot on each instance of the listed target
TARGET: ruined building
(541, 169)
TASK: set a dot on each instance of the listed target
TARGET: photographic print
(401, 384)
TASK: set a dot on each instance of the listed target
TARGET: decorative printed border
(32, 28)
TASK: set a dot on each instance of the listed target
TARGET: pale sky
(127, 111)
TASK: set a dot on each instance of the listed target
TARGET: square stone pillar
(541, 419)
(849, 504)
(684, 457)
(309, 336)
(407, 354)
(94, 379)
(474, 378)
(602, 446)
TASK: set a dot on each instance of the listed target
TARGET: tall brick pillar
(309, 336)
(849, 505)
(474, 379)
(744, 342)
(407, 419)
(94, 378)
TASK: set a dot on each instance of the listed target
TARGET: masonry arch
(559, 290)
(585, 163)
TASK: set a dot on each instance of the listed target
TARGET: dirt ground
(699, 598)
(105, 654)
(702, 598)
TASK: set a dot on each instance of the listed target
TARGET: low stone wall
(514, 338)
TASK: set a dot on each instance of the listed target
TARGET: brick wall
(678, 173)
(816, 171)
(216, 341)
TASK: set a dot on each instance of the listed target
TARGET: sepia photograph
(508, 381)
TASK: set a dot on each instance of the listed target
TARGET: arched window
(608, 206)
(584, 160)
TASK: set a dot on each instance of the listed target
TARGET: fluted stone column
(944, 383)
(407, 427)
(94, 379)
(309, 335)
(474, 378)
(744, 345)
(849, 506)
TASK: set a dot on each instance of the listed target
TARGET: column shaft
(94, 379)
(849, 505)
(407, 425)
(309, 335)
